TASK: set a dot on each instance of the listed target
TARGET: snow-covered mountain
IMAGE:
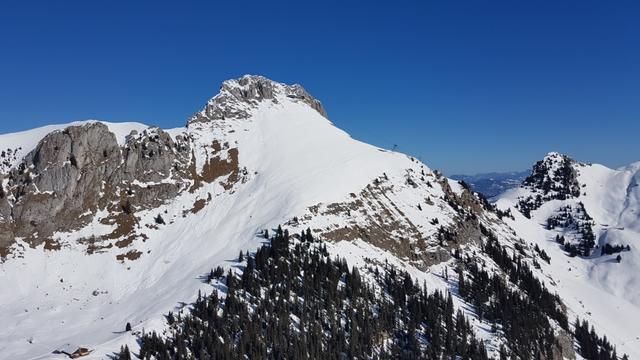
(586, 216)
(105, 224)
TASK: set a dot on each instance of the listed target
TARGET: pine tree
(124, 354)
(462, 286)
(503, 353)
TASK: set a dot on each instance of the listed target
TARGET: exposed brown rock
(93, 248)
(51, 245)
(125, 224)
(217, 167)
(130, 255)
(198, 205)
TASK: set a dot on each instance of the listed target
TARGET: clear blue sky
(468, 86)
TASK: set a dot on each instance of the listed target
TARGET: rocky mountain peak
(238, 97)
(553, 178)
(554, 157)
(554, 167)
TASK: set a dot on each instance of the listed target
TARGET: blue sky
(467, 86)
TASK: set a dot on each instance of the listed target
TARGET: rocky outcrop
(71, 174)
(238, 97)
(381, 216)
(296, 91)
(563, 350)
(553, 178)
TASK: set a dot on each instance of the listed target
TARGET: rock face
(238, 97)
(71, 174)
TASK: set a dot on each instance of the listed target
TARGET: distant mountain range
(493, 183)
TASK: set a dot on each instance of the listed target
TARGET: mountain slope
(106, 228)
(595, 286)
(288, 158)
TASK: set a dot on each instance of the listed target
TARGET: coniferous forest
(295, 302)
(519, 302)
(292, 301)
